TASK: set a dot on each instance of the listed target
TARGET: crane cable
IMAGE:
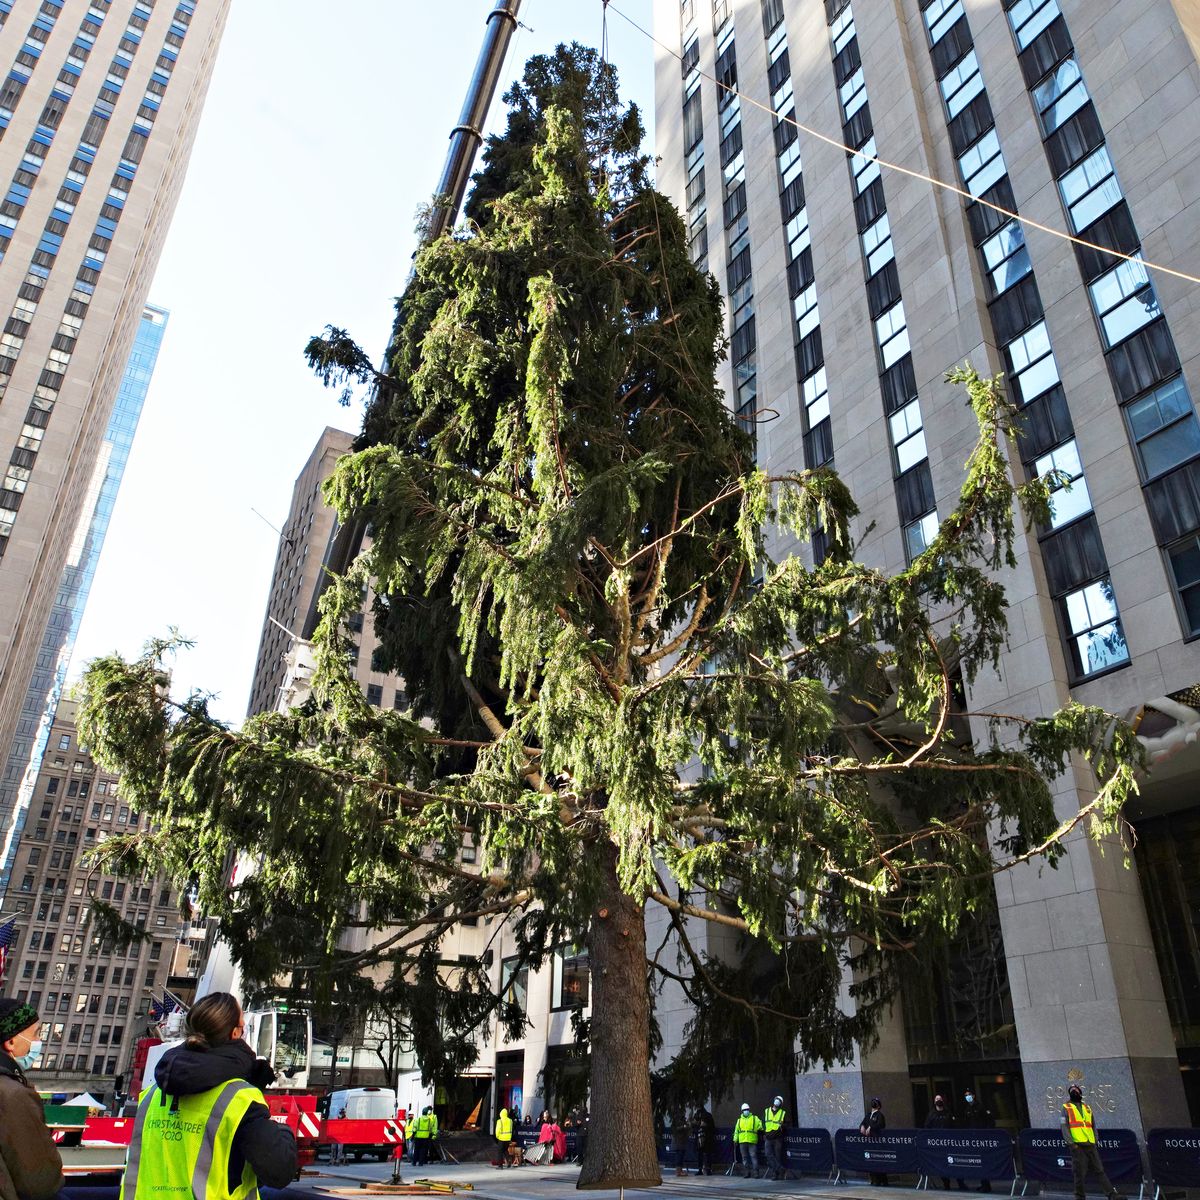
(1027, 222)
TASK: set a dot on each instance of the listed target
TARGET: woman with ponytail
(203, 1129)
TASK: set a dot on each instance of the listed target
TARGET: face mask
(26, 1061)
(970, 1098)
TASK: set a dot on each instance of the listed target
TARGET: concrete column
(837, 1098)
(1085, 983)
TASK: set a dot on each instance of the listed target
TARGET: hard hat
(745, 1108)
(777, 1100)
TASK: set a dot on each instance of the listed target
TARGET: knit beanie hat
(15, 1017)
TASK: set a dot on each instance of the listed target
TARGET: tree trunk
(620, 1143)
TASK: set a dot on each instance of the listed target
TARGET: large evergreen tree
(617, 691)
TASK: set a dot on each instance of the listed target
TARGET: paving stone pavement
(558, 1183)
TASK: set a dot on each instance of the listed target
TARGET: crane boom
(467, 136)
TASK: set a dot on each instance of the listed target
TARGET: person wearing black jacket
(977, 1116)
(213, 1054)
(873, 1124)
(704, 1130)
(940, 1117)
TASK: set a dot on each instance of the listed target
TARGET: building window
(877, 245)
(919, 534)
(1089, 190)
(908, 437)
(1094, 630)
(1007, 257)
(1185, 571)
(891, 332)
(961, 84)
(842, 30)
(982, 165)
(864, 166)
(374, 694)
(1124, 300)
(572, 977)
(939, 16)
(1059, 95)
(804, 306)
(1070, 499)
(1031, 363)
(514, 984)
(1165, 430)
(1029, 17)
(853, 94)
(815, 393)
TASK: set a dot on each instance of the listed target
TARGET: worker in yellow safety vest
(504, 1137)
(774, 1119)
(425, 1131)
(745, 1142)
(203, 1130)
(1079, 1131)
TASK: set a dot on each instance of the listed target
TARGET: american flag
(161, 1009)
(8, 935)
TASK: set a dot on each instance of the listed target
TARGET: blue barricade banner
(809, 1151)
(892, 1151)
(1047, 1158)
(1174, 1156)
(965, 1153)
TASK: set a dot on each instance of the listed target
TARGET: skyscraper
(304, 542)
(97, 117)
(58, 642)
(852, 289)
(92, 994)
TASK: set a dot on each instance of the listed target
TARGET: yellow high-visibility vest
(1080, 1125)
(504, 1126)
(746, 1129)
(775, 1118)
(180, 1151)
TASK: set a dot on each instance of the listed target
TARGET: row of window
(375, 697)
(806, 315)
(1071, 547)
(898, 386)
(570, 980)
(24, 454)
(1143, 364)
(68, 972)
(739, 276)
(693, 138)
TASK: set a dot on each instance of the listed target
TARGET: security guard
(504, 1137)
(774, 1120)
(745, 1141)
(203, 1130)
(1079, 1130)
(425, 1131)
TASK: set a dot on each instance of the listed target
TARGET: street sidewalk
(558, 1183)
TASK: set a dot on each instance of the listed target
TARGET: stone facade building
(93, 997)
(853, 287)
(98, 112)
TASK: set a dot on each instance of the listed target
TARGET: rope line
(1027, 222)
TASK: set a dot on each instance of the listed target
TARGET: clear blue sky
(325, 128)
